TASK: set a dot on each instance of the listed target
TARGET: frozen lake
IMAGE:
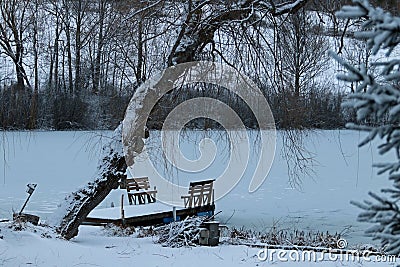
(59, 162)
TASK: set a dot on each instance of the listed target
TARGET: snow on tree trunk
(188, 45)
(378, 96)
(79, 204)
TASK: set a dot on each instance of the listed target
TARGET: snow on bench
(138, 190)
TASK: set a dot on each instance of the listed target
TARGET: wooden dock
(154, 218)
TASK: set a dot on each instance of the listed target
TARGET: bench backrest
(201, 193)
(136, 184)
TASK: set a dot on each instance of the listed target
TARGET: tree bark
(78, 47)
(69, 52)
(35, 98)
(100, 43)
(79, 204)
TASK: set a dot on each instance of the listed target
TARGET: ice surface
(60, 162)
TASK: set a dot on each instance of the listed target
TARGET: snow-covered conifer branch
(378, 95)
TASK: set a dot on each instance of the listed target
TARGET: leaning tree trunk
(191, 41)
(79, 204)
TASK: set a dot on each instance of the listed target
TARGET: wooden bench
(139, 191)
(200, 194)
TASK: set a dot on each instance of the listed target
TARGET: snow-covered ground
(61, 161)
(95, 247)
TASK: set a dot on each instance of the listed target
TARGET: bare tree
(196, 33)
(13, 27)
(302, 52)
(34, 18)
(102, 9)
(54, 10)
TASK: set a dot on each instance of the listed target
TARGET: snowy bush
(377, 95)
(114, 230)
(179, 234)
(284, 237)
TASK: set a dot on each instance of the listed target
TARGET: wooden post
(122, 210)
(174, 213)
(26, 202)
(213, 193)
